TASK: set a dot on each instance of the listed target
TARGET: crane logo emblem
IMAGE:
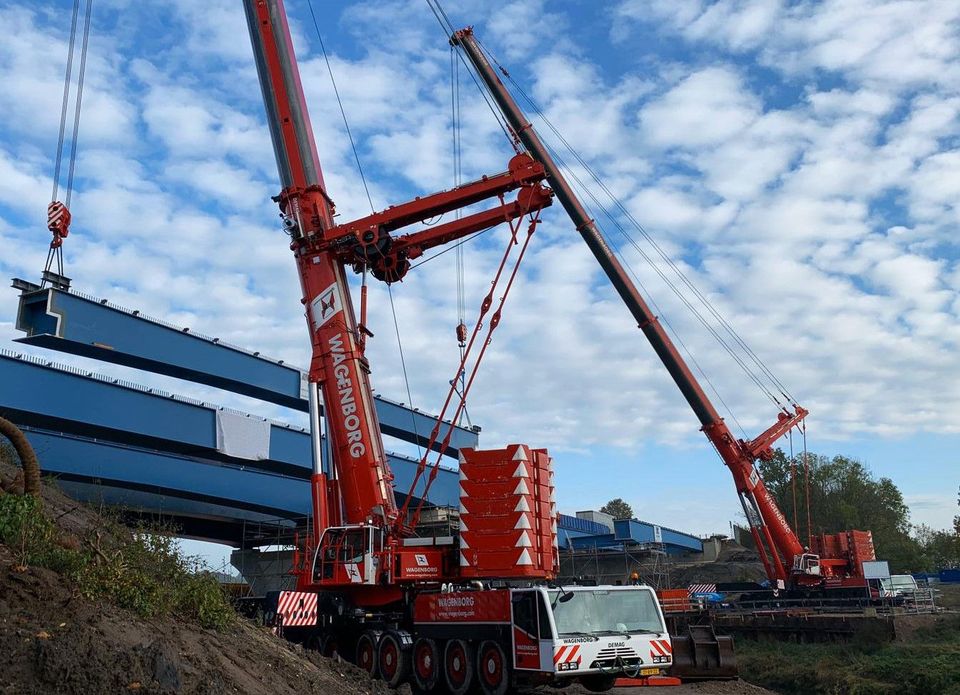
(326, 305)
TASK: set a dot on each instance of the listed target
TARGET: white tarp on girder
(243, 436)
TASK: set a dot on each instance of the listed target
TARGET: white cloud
(798, 161)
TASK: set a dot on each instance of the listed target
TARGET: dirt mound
(55, 641)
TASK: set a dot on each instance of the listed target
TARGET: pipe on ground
(28, 457)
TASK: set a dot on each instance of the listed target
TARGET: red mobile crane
(433, 610)
(834, 559)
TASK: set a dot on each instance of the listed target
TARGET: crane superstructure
(444, 612)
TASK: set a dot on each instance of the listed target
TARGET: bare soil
(56, 642)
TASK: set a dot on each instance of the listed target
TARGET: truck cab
(592, 633)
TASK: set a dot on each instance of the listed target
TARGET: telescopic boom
(767, 523)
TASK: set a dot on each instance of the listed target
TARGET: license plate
(649, 672)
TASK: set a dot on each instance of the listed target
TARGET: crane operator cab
(806, 564)
(348, 555)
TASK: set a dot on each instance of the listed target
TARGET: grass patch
(142, 571)
(929, 663)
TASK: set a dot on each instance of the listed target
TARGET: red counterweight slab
(507, 513)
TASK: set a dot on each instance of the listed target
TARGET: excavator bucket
(703, 655)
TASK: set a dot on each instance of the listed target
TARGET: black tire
(598, 683)
(367, 653)
(493, 671)
(458, 667)
(330, 646)
(427, 665)
(393, 660)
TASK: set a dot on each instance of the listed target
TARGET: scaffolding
(615, 565)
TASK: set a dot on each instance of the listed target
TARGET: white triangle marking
(463, 542)
(521, 471)
(464, 562)
(522, 505)
(463, 510)
(463, 474)
(524, 558)
(463, 493)
(522, 523)
(463, 525)
(524, 541)
(521, 488)
(521, 454)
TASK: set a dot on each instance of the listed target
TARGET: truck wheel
(458, 667)
(329, 646)
(493, 672)
(393, 660)
(598, 683)
(367, 653)
(426, 664)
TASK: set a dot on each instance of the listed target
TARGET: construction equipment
(442, 613)
(830, 560)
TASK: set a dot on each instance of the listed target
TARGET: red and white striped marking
(702, 589)
(297, 608)
(566, 654)
(660, 647)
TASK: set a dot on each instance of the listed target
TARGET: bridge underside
(218, 474)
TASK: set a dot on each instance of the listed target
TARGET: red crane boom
(783, 556)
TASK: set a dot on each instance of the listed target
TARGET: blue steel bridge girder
(72, 322)
(124, 445)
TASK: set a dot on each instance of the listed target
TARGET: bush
(143, 571)
(930, 663)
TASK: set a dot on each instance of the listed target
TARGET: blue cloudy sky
(799, 160)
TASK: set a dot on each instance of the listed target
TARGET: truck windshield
(598, 610)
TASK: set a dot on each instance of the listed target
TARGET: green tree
(844, 495)
(956, 519)
(618, 509)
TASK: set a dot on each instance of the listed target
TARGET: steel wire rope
(686, 302)
(343, 113)
(448, 31)
(585, 189)
(81, 73)
(666, 258)
(66, 100)
(457, 180)
(403, 366)
(451, 247)
(363, 178)
(660, 314)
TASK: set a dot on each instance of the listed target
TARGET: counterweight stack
(508, 514)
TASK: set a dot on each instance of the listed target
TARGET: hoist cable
(660, 314)
(684, 300)
(457, 180)
(76, 114)
(66, 99)
(403, 366)
(343, 113)
(740, 362)
(451, 247)
(793, 479)
(739, 341)
(448, 30)
(488, 339)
